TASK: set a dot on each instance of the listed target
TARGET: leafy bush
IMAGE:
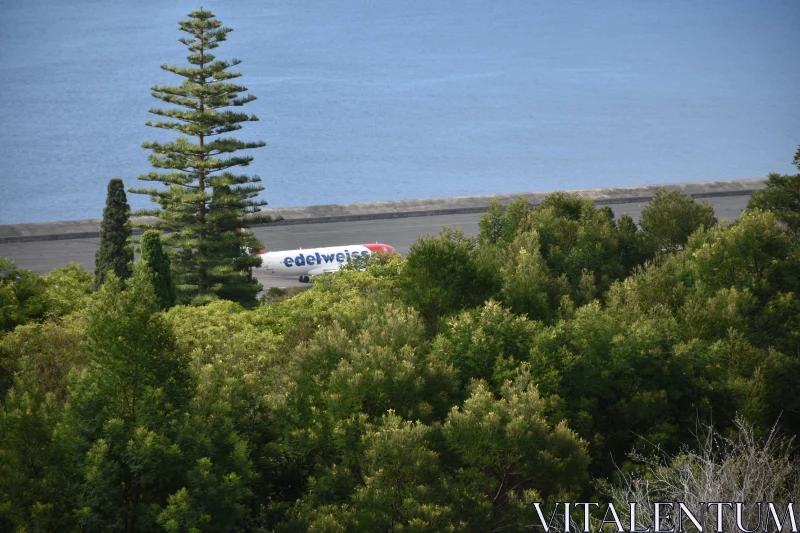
(670, 218)
(478, 342)
(25, 296)
(22, 295)
(782, 197)
(441, 276)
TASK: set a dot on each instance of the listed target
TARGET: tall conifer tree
(115, 253)
(203, 194)
(160, 273)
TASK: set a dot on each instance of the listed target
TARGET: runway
(43, 256)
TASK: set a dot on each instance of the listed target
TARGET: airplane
(315, 261)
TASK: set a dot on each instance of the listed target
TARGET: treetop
(206, 30)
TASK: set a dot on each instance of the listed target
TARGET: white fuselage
(302, 264)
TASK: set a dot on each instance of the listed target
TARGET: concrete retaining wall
(73, 229)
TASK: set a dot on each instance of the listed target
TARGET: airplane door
(267, 266)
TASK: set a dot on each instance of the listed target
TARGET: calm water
(384, 100)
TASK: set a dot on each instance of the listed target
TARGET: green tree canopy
(203, 208)
(670, 218)
(160, 273)
(484, 341)
(115, 253)
(123, 409)
(444, 392)
(441, 275)
(782, 197)
(21, 295)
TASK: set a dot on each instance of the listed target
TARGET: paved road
(43, 256)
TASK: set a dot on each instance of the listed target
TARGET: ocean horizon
(387, 100)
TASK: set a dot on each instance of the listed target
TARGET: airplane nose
(378, 247)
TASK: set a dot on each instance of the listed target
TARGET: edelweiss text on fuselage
(303, 264)
(319, 259)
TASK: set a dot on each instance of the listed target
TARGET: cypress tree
(160, 274)
(204, 205)
(115, 253)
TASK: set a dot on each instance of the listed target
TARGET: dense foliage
(202, 210)
(671, 218)
(160, 272)
(115, 253)
(782, 196)
(440, 392)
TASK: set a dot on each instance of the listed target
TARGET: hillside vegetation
(444, 391)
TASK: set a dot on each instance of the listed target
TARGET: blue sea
(395, 99)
